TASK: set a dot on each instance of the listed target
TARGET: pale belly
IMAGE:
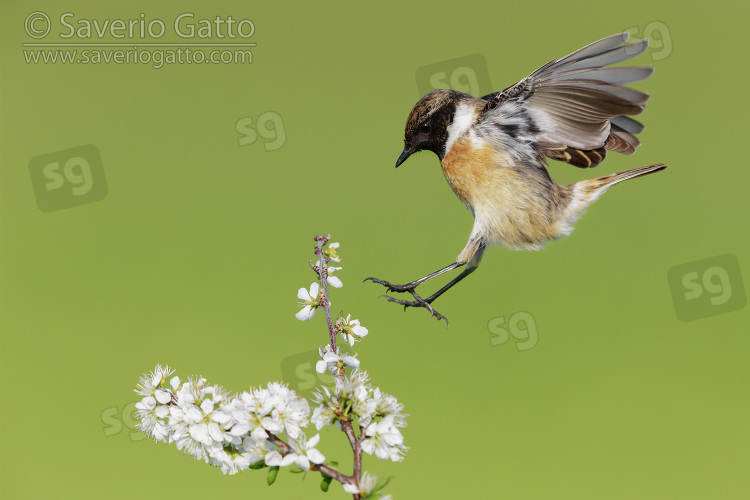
(510, 208)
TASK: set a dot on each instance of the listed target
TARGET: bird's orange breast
(468, 168)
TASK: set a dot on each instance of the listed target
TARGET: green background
(194, 256)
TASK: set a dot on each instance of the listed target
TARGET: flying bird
(494, 150)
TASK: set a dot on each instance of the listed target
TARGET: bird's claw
(417, 302)
(409, 287)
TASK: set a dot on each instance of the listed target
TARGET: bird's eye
(425, 127)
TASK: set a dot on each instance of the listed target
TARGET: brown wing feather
(583, 158)
(577, 106)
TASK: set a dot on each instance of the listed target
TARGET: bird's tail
(592, 189)
(636, 172)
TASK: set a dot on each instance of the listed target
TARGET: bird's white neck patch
(462, 121)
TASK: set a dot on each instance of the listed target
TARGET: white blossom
(366, 483)
(350, 329)
(384, 440)
(380, 414)
(150, 410)
(275, 459)
(150, 421)
(334, 281)
(275, 409)
(151, 381)
(322, 416)
(350, 488)
(209, 424)
(332, 253)
(383, 404)
(233, 459)
(192, 427)
(334, 361)
(290, 410)
(306, 453)
(309, 302)
(347, 387)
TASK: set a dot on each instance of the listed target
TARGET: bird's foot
(411, 288)
(419, 302)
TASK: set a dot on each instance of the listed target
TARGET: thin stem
(346, 426)
(321, 240)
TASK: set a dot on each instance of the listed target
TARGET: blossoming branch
(265, 426)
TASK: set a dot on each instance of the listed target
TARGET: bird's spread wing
(574, 109)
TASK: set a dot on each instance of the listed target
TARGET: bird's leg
(418, 301)
(452, 282)
(411, 288)
(414, 284)
(427, 303)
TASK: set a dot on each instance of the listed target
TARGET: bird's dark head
(428, 125)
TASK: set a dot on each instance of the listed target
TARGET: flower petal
(303, 462)
(271, 425)
(315, 456)
(241, 429)
(313, 442)
(288, 459)
(360, 331)
(330, 357)
(351, 488)
(147, 403)
(306, 314)
(350, 361)
(215, 432)
(273, 459)
(162, 396)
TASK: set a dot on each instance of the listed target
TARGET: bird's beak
(407, 152)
